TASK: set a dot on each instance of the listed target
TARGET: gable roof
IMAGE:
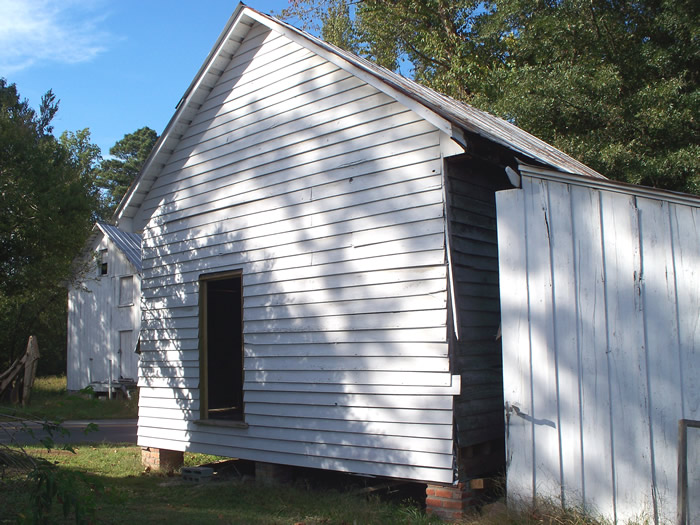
(128, 243)
(451, 116)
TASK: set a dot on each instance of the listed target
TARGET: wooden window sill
(222, 423)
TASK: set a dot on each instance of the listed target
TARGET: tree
(46, 207)
(613, 83)
(115, 175)
(87, 158)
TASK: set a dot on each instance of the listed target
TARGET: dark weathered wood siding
(476, 353)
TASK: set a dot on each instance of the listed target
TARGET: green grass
(122, 492)
(111, 479)
(50, 400)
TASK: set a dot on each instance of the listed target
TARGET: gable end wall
(328, 196)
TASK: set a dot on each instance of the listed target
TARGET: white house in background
(321, 288)
(104, 313)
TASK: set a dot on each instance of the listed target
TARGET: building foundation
(162, 459)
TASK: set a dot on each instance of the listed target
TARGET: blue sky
(117, 65)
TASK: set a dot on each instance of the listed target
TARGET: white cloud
(40, 31)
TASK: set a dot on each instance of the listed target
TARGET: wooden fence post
(30, 368)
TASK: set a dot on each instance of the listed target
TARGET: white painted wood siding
(95, 319)
(327, 194)
(600, 297)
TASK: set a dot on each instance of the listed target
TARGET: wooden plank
(374, 321)
(594, 408)
(366, 173)
(329, 120)
(390, 255)
(423, 390)
(170, 356)
(566, 356)
(547, 473)
(349, 164)
(517, 372)
(409, 402)
(321, 118)
(685, 233)
(355, 439)
(241, 95)
(390, 415)
(156, 370)
(402, 349)
(168, 403)
(662, 349)
(626, 356)
(291, 233)
(365, 363)
(374, 468)
(169, 346)
(277, 206)
(430, 335)
(397, 277)
(351, 377)
(370, 135)
(168, 393)
(318, 79)
(433, 287)
(168, 382)
(341, 451)
(348, 307)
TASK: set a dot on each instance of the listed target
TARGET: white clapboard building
(321, 281)
(104, 313)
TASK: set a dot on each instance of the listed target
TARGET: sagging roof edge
(637, 190)
(451, 116)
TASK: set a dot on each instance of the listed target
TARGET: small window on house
(221, 346)
(126, 290)
(102, 263)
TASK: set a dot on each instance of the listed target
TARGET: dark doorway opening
(222, 346)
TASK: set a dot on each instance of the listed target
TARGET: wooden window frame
(122, 301)
(204, 280)
(102, 266)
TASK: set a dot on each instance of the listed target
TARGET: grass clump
(50, 400)
(120, 491)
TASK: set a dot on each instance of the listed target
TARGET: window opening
(102, 263)
(126, 290)
(124, 347)
(221, 346)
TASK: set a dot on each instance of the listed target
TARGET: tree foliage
(613, 83)
(46, 206)
(116, 174)
(87, 158)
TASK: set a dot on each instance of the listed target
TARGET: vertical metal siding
(600, 298)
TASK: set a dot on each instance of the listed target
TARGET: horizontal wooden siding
(328, 196)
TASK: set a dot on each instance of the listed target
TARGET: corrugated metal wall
(600, 298)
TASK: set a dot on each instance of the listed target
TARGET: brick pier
(450, 502)
(162, 459)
